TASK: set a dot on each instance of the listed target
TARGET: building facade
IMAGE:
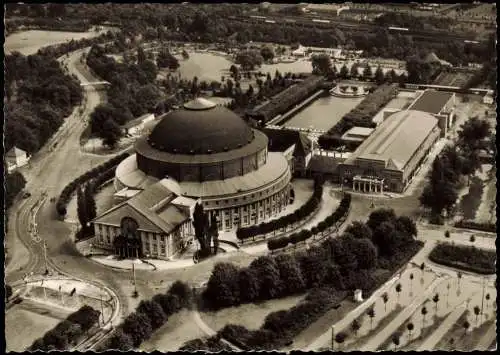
(391, 156)
(207, 152)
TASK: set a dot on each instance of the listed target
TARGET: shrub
(138, 327)
(485, 227)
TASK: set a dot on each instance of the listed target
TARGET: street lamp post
(333, 336)
(482, 297)
(45, 257)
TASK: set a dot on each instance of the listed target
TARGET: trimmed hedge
(303, 235)
(69, 331)
(95, 173)
(467, 258)
(485, 227)
(360, 116)
(302, 212)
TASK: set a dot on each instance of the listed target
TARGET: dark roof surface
(431, 101)
(200, 128)
(282, 139)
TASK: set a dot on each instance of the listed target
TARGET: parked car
(26, 195)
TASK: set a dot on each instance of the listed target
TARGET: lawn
(179, 329)
(250, 315)
(487, 209)
(22, 327)
(29, 42)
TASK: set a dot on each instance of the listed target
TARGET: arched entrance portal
(128, 243)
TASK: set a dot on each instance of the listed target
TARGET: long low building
(389, 158)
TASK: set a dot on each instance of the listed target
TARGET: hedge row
(283, 222)
(69, 331)
(288, 98)
(464, 257)
(360, 116)
(68, 191)
(281, 327)
(149, 316)
(485, 227)
(305, 234)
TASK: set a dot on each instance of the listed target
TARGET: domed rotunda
(208, 153)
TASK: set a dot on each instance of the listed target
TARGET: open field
(22, 327)
(323, 113)
(29, 42)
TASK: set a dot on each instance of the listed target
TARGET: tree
(371, 314)
(379, 76)
(340, 338)
(321, 64)
(411, 281)
(344, 72)
(182, 291)
(406, 226)
(367, 72)
(82, 209)
(410, 328)
(466, 326)
(477, 311)
(435, 299)
(377, 217)
(365, 252)
(385, 298)
(8, 292)
(291, 277)
(424, 312)
(395, 340)
(154, 312)
(185, 54)
(200, 224)
(111, 133)
(120, 341)
(355, 327)
(213, 231)
(267, 53)
(398, 289)
(138, 327)
(487, 299)
(268, 273)
(354, 70)
(359, 230)
(447, 234)
(170, 303)
(472, 238)
(249, 282)
(472, 134)
(90, 204)
(459, 276)
(249, 59)
(141, 56)
(223, 286)
(166, 60)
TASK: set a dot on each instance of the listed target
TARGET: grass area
(22, 327)
(361, 340)
(179, 329)
(487, 209)
(463, 341)
(250, 315)
(471, 201)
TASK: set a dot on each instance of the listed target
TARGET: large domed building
(206, 153)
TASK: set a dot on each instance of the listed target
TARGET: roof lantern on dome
(199, 104)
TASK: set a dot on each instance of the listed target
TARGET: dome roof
(201, 127)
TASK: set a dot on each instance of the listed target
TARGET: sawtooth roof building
(202, 152)
(389, 158)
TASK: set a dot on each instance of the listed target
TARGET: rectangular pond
(323, 113)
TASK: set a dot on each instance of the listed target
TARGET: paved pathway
(382, 335)
(488, 338)
(443, 328)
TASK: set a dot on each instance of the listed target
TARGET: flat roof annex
(396, 139)
(431, 101)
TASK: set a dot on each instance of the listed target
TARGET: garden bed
(464, 257)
